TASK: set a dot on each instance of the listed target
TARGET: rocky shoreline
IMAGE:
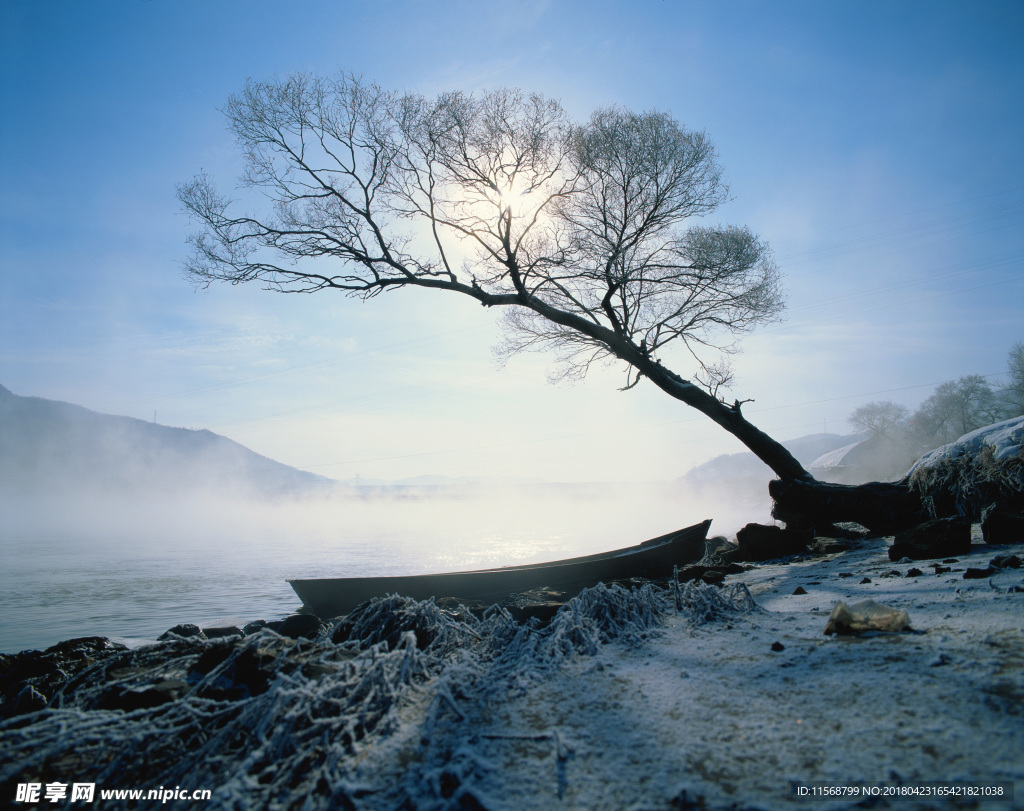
(302, 705)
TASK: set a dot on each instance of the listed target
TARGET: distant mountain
(872, 458)
(747, 466)
(56, 445)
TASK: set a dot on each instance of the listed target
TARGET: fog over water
(90, 563)
(117, 527)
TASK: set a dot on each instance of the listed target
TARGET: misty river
(129, 570)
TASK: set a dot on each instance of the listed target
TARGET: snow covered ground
(713, 715)
(624, 702)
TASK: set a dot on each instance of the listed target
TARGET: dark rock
(865, 581)
(29, 699)
(940, 569)
(799, 590)
(31, 678)
(468, 801)
(1005, 562)
(465, 610)
(760, 542)
(713, 577)
(254, 627)
(915, 572)
(845, 574)
(713, 574)
(212, 658)
(185, 631)
(154, 695)
(222, 631)
(253, 670)
(298, 626)
(84, 648)
(66, 656)
(843, 532)
(718, 551)
(709, 573)
(683, 802)
(317, 670)
(242, 672)
(449, 783)
(979, 574)
(778, 646)
(168, 689)
(537, 606)
(950, 560)
(1001, 526)
(543, 613)
(342, 631)
(933, 539)
(829, 546)
(29, 664)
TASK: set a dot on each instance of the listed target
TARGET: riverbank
(654, 697)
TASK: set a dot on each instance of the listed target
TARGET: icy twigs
(271, 722)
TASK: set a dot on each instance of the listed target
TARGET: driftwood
(882, 507)
(983, 471)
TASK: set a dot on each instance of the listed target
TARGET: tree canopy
(1013, 394)
(580, 229)
(957, 407)
(878, 418)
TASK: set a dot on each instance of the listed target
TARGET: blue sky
(877, 147)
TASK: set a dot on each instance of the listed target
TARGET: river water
(129, 569)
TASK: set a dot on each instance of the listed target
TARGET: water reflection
(133, 569)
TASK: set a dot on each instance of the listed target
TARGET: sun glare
(513, 199)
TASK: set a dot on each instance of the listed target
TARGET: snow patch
(1005, 438)
(832, 459)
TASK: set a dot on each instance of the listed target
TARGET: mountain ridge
(745, 464)
(55, 444)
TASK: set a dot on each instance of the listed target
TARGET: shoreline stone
(941, 538)
(761, 542)
(1001, 526)
(31, 678)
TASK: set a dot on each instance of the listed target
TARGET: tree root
(882, 507)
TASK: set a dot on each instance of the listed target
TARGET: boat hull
(332, 597)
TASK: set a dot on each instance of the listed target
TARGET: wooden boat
(332, 597)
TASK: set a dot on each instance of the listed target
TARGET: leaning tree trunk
(730, 417)
(800, 500)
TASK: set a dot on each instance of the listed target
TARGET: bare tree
(580, 230)
(1013, 394)
(956, 408)
(878, 418)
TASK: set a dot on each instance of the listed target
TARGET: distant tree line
(955, 408)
